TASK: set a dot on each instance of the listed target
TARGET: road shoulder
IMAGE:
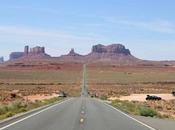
(159, 124)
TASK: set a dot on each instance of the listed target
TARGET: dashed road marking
(82, 112)
(81, 120)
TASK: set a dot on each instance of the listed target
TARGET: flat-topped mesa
(16, 55)
(115, 52)
(116, 49)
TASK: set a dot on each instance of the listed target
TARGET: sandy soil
(141, 97)
(39, 97)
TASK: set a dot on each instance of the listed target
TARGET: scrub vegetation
(19, 106)
(138, 108)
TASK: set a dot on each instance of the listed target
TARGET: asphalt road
(81, 113)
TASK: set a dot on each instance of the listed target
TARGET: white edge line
(2, 128)
(129, 116)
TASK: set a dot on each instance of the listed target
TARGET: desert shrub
(24, 109)
(135, 108)
(3, 109)
(103, 97)
(19, 106)
(126, 106)
(16, 105)
(146, 111)
(9, 114)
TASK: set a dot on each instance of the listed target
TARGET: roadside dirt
(141, 97)
(40, 97)
(164, 106)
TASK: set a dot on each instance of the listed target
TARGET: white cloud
(161, 26)
(23, 31)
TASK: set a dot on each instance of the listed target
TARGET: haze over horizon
(146, 28)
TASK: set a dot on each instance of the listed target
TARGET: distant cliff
(36, 52)
(113, 51)
(72, 55)
(16, 55)
(1, 59)
(116, 52)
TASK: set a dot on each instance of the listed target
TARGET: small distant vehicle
(173, 92)
(94, 95)
(153, 97)
(62, 94)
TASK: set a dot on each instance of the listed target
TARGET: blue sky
(146, 27)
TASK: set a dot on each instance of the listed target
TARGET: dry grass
(135, 108)
(19, 106)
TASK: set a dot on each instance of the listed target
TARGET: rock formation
(36, 52)
(1, 59)
(115, 49)
(72, 55)
(16, 55)
(26, 50)
(117, 52)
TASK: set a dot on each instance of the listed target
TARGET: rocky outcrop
(26, 50)
(36, 52)
(99, 49)
(72, 55)
(1, 59)
(16, 55)
(115, 49)
(116, 52)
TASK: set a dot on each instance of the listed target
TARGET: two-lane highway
(82, 113)
(78, 114)
(84, 91)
